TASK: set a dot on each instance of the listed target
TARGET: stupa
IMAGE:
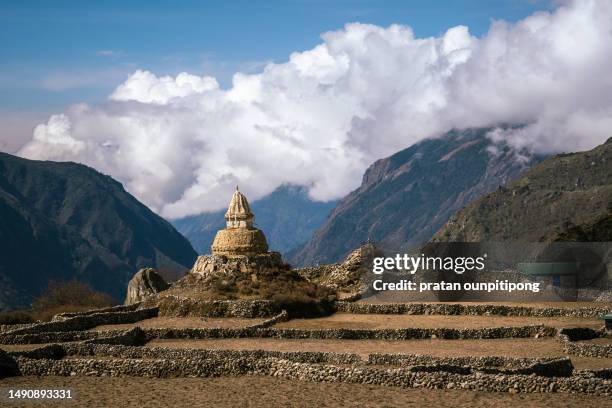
(241, 267)
(239, 237)
(240, 246)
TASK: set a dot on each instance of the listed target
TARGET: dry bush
(16, 317)
(287, 289)
(71, 296)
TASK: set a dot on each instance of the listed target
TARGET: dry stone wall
(272, 332)
(462, 309)
(85, 321)
(535, 375)
(121, 352)
(131, 352)
(119, 308)
(356, 334)
(279, 367)
(572, 337)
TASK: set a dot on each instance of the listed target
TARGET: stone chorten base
(252, 266)
(239, 241)
(262, 280)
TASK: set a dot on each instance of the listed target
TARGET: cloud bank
(180, 144)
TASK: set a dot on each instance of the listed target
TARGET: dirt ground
(183, 322)
(544, 347)
(384, 321)
(259, 391)
(601, 340)
(363, 321)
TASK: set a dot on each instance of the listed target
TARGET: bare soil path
(258, 391)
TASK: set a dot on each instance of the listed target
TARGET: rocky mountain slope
(60, 221)
(287, 217)
(405, 198)
(567, 197)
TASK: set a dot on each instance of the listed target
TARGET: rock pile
(346, 277)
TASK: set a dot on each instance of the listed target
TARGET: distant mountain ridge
(65, 220)
(405, 198)
(287, 217)
(567, 197)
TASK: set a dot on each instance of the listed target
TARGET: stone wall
(123, 347)
(572, 337)
(51, 351)
(120, 353)
(279, 367)
(580, 333)
(10, 327)
(465, 365)
(119, 308)
(588, 350)
(271, 332)
(84, 322)
(551, 367)
(281, 317)
(356, 334)
(50, 337)
(475, 362)
(131, 352)
(461, 309)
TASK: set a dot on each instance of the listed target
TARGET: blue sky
(55, 53)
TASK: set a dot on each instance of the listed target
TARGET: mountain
(287, 216)
(567, 197)
(60, 221)
(405, 198)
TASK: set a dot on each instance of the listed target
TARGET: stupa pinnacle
(239, 237)
(238, 212)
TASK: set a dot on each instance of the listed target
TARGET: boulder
(146, 282)
(8, 365)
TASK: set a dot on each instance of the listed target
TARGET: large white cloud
(181, 144)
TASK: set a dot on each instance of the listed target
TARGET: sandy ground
(383, 321)
(363, 321)
(259, 391)
(183, 322)
(443, 348)
(601, 340)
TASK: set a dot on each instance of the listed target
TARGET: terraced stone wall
(432, 377)
(84, 322)
(572, 337)
(460, 309)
